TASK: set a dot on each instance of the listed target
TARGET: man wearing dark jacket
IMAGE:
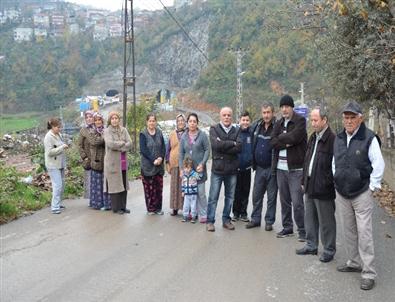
(264, 180)
(243, 185)
(225, 145)
(319, 189)
(289, 142)
(358, 168)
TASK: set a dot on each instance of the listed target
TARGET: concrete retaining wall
(389, 173)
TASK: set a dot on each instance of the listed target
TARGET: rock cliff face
(176, 65)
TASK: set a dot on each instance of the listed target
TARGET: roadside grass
(16, 122)
(19, 199)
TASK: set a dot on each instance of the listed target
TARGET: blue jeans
(57, 180)
(264, 181)
(215, 188)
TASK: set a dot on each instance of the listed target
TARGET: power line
(189, 37)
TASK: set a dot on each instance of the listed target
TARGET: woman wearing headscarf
(55, 162)
(172, 154)
(117, 143)
(153, 151)
(84, 150)
(195, 144)
(98, 198)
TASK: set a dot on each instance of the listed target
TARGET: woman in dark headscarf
(84, 150)
(172, 154)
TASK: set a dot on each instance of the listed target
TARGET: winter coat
(54, 146)
(97, 150)
(225, 148)
(84, 148)
(199, 152)
(320, 185)
(116, 140)
(295, 137)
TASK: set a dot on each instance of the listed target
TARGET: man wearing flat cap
(358, 168)
(289, 141)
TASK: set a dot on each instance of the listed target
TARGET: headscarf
(89, 112)
(183, 129)
(100, 129)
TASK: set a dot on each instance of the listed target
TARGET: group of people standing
(308, 173)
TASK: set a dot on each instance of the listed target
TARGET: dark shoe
(244, 219)
(62, 207)
(126, 211)
(252, 224)
(120, 212)
(326, 258)
(367, 284)
(348, 269)
(235, 217)
(193, 220)
(306, 251)
(105, 209)
(174, 213)
(210, 227)
(302, 237)
(160, 212)
(56, 211)
(229, 226)
(268, 227)
(285, 233)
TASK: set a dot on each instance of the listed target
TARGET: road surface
(87, 255)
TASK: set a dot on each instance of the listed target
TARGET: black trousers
(118, 200)
(242, 193)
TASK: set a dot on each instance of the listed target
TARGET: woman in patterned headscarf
(84, 150)
(118, 143)
(98, 198)
(172, 152)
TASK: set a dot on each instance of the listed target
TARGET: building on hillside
(181, 3)
(57, 20)
(74, 28)
(100, 32)
(11, 14)
(115, 30)
(23, 34)
(40, 33)
(41, 20)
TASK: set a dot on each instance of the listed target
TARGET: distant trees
(43, 76)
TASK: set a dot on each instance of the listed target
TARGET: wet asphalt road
(87, 255)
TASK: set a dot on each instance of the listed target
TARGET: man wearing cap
(290, 142)
(358, 168)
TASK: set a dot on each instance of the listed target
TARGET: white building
(100, 32)
(115, 30)
(23, 34)
(40, 33)
(57, 20)
(11, 14)
(41, 20)
(74, 28)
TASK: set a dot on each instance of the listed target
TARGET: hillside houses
(36, 22)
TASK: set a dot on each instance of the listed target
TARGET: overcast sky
(117, 4)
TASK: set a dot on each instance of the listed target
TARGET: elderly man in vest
(358, 167)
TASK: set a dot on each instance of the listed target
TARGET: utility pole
(302, 93)
(239, 88)
(128, 53)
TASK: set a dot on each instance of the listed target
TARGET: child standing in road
(189, 190)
